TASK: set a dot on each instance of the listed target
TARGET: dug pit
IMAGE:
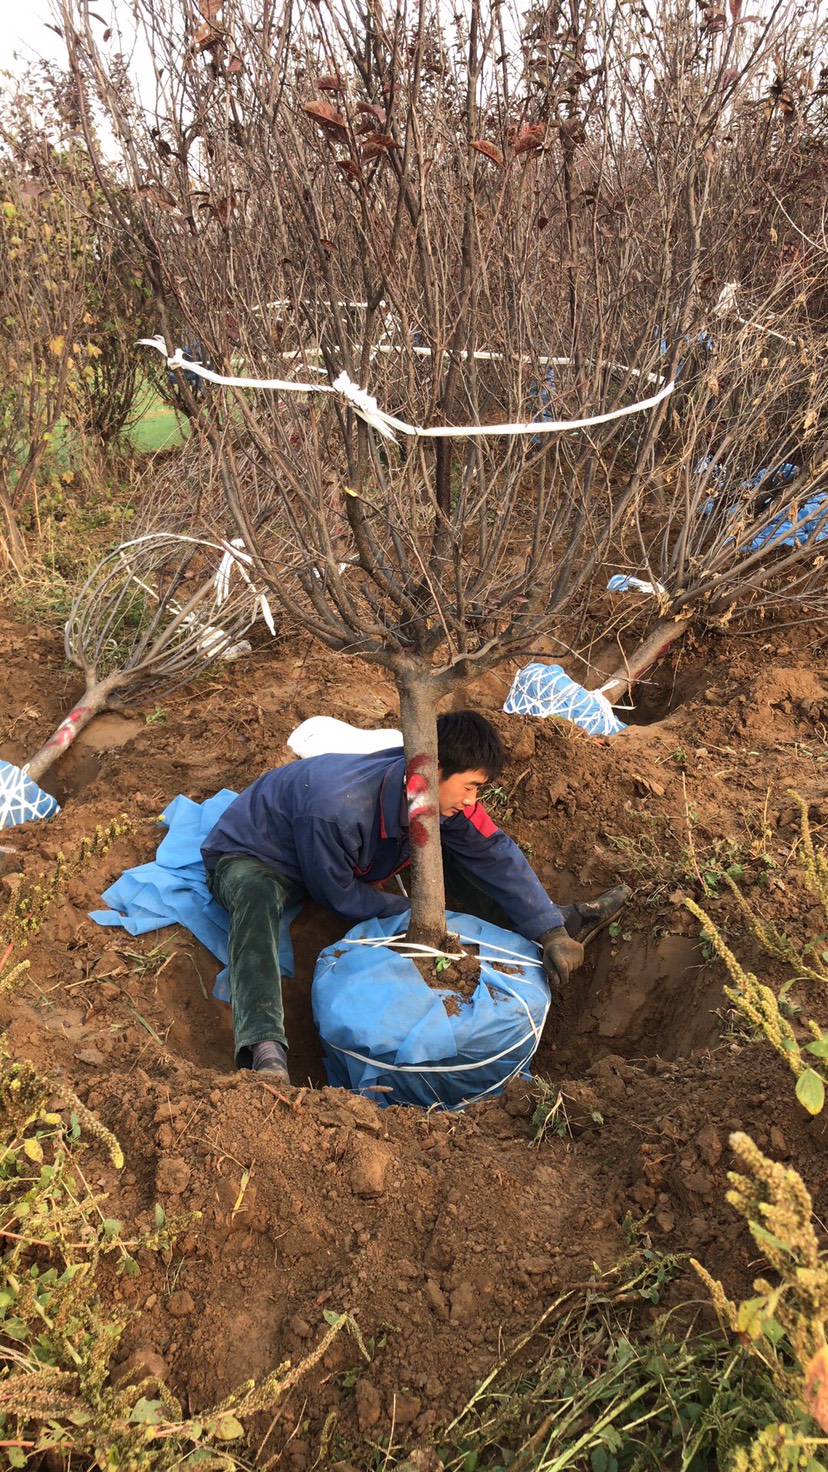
(445, 1236)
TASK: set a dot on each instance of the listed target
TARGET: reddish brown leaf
(207, 36)
(734, 6)
(158, 195)
(349, 168)
(234, 64)
(326, 116)
(222, 207)
(489, 150)
(816, 1387)
(378, 143)
(373, 110)
(330, 83)
(210, 9)
(531, 135)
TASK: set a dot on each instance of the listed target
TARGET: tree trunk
(15, 547)
(94, 699)
(658, 641)
(418, 717)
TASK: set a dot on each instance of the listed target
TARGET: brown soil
(462, 975)
(443, 1235)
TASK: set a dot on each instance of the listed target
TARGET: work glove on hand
(561, 954)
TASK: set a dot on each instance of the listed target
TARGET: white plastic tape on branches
(234, 558)
(388, 425)
(726, 306)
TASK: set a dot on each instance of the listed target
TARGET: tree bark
(418, 716)
(664, 633)
(94, 699)
(15, 548)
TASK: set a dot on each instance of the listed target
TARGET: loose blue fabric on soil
(810, 514)
(382, 1024)
(621, 583)
(794, 525)
(172, 889)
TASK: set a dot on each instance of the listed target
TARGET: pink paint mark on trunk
(417, 782)
(68, 729)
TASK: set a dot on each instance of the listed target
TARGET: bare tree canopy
(478, 222)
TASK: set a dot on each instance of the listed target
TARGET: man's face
(459, 791)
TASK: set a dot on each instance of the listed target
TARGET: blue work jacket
(339, 826)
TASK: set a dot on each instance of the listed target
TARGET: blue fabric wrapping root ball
(382, 1025)
(379, 1021)
(21, 800)
(547, 690)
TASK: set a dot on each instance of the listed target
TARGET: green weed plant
(783, 1325)
(588, 1389)
(768, 1014)
(31, 903)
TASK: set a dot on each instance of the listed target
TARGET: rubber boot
(596, 915)
(270, 1058)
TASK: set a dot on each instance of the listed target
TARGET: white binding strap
(445, 1067)
(366, 406)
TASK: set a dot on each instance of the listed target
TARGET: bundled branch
(151, 616)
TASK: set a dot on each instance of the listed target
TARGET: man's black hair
(467, 742)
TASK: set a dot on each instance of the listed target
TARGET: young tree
(479, 224)
(42, 247)
(70, 299)
(740, 518)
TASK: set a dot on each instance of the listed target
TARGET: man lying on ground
(333, 828)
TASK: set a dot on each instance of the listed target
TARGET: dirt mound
(442, 1235)
(438, 1233)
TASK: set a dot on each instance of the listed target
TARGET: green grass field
(157, 426)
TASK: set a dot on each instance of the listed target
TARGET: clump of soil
(458, 978)
(462, 975)
(443, 1235)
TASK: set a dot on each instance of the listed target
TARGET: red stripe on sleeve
(479, 819)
